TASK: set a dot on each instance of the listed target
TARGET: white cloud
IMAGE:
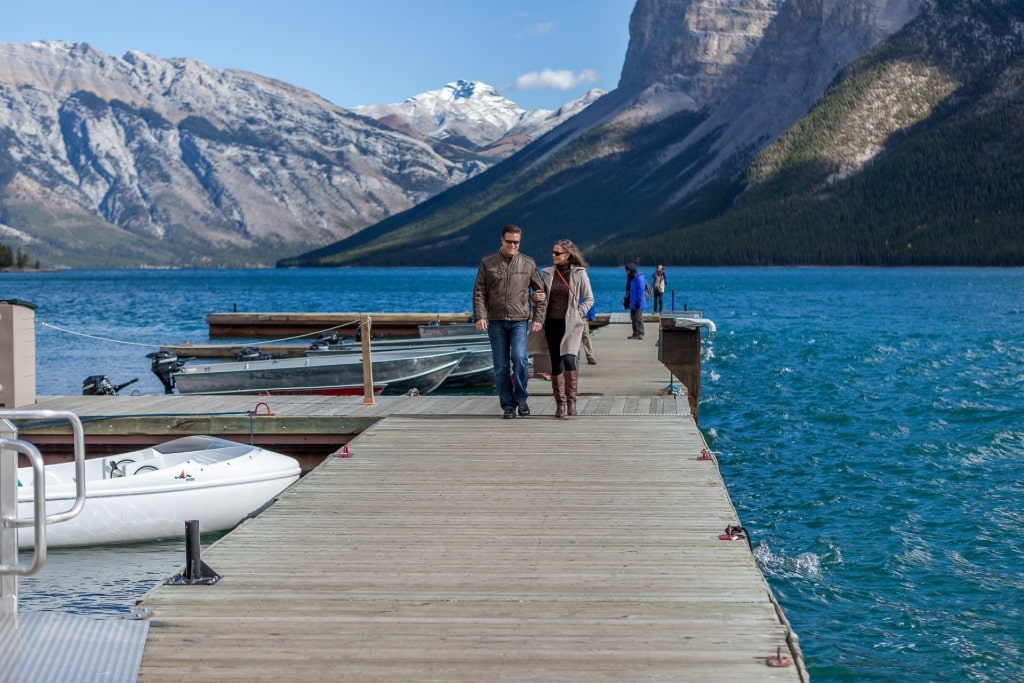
(557, 79)
(541, 28)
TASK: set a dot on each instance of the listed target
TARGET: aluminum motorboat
(394, 373)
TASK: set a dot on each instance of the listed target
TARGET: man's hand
(536, 327)
(481, 325)
(539, 296)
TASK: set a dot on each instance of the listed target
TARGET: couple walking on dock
(523, 310)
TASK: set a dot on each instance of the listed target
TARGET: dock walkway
(447, 544)
(474, 549)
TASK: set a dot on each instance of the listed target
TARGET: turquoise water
(869, 425)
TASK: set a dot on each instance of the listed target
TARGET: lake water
(869, 425)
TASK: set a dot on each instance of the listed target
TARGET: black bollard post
(196, 571)
(192, 551)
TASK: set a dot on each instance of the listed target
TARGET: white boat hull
(158, 493)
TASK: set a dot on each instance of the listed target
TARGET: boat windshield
(197, 442)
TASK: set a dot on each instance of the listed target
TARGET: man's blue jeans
(511, 366)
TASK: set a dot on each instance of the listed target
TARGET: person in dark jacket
(501, 307)
(636, 287)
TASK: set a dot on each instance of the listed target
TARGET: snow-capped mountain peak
(468, 112)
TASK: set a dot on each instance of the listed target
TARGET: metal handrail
(9, 519)
(39, 506)
(79, 442)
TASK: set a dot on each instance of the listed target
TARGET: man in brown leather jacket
(501, 307)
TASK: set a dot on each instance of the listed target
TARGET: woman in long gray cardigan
(569, 297)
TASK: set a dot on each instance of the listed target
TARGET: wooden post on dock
(364, 331)
(679, 350)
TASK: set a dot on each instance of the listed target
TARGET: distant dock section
(266, 325)
(238, 325)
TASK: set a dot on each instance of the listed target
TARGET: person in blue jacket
(636, 287)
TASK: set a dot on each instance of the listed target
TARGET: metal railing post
(8, 510)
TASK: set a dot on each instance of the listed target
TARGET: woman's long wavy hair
(575, 255)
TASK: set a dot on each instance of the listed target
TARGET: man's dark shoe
(524, 410)
(509, 413)
(591, 361)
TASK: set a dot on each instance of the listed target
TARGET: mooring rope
(92, 336)
(129, 343)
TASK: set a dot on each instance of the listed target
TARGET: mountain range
(764, 132)
(141, 161)
(769, 132)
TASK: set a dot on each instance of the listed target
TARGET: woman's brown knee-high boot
(571, 380)
(558, 391)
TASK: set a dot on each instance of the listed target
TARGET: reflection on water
(101, 580)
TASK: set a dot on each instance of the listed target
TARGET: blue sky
(538, 53)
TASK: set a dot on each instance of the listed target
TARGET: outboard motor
(250, 353)
(325, 341)
(164, 365)
(99, 385)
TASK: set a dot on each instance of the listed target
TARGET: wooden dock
(263, 325)
(446, 544)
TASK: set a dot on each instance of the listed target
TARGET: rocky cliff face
(705, 47)
(699, 48)
(753, 66)
(138, 160)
